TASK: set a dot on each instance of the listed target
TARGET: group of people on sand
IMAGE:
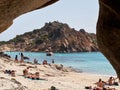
(27, 74)
(101, 84)
(35, 60)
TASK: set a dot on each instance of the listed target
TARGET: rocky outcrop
(4, 55)
(10, 9)
(56, 37)
(108, 31)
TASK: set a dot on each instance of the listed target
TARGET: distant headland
(55, 37)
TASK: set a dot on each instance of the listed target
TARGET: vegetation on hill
(55, 37)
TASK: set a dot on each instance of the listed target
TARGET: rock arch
(108, 31)
(10, 9)
(108, 28)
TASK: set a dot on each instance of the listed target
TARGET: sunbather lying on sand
(34, 76)
(101, 86)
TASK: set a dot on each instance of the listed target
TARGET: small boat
(25, 57)
(49, 54)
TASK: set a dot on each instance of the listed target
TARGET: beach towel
(37, 79)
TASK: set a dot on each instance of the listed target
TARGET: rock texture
(10, 9)
(54, 36)
(108, 31)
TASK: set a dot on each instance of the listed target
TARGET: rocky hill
(53, 36)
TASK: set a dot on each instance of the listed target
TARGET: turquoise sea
(88, 62)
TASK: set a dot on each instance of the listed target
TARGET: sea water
(88, 62)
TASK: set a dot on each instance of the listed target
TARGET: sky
(78, 14)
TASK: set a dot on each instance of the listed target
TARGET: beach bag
(88, 87)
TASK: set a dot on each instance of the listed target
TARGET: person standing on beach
(16, 58)
(22, 57)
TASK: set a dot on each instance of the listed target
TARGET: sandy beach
(51, 75)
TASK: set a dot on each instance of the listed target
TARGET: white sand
(60, 79)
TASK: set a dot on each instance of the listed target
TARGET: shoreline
(62, 79)
(80, 71)
(83, 64)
